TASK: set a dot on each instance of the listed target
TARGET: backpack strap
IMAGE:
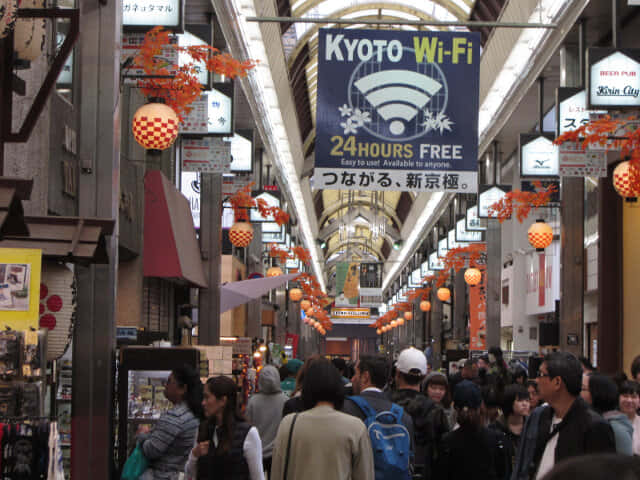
(363, 405)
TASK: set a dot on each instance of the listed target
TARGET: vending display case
(142, 374)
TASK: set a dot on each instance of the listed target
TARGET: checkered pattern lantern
(425, 305)
(305, 305)
(540, 235)
(472, 276)
(274, 272)
(155, 126)
(295, 294)
(623, 180)
(241, 234)
(8, 9)
(444, 294)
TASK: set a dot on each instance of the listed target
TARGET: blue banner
(397, 110)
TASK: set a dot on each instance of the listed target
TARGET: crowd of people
(377, 420)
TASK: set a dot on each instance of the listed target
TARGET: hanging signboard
(613, 78)
(571, 109)
(190, 188)
(466, 236)
(271, 200)
(478, 314)
(146, 14)
(371, 279)
(576, 162)
(435, 262)
(20, 287)
(347, 284)
(473, 222)
(488, 195)
(425, 271)
(210, 155)
(131, 43)
(274, 237)
(350, 315)
(415, 279)
(397, 110)
(443, 248)
(232, 183)
(452, 242)
(538, 155)
(212, 113)
(529, 186)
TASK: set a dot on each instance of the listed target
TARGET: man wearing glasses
(565, 426)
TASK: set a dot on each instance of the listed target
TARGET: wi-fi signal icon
(398, 95)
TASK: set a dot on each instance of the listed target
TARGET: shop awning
(171, 249)
(12, 192)
(72, 239)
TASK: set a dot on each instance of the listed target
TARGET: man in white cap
(429, 419)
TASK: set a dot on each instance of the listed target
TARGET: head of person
(437, 389)
(340, 364)
(221, 407)
(322, 383)
(483, 362)
(559, 376)
(629, 398)
(495, 356)
(635, 369)
(515, 401)
(467, 370)
(411, 368)
(467, 400)
(269, 380)
(604, 393)
(596, 467)
(586, 364)
(184, 385)
(585, 393)
(534, 396)
(293, 367)
(492, 402)
(520, 376)
(303, 371)
(371, 371)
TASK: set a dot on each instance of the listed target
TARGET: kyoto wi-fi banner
(397, 110)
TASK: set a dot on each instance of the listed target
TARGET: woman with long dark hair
(167, 446)
(227, 447)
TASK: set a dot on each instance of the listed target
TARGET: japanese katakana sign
(397, 110)
(149, 13)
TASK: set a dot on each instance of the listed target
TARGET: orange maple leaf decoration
(610, 134)
(183, 88)
(521, 202)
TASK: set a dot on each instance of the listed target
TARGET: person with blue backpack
(390, 427)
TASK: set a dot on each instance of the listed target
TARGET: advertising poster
(347, 284)
(209, 155)
(478, 314)
(397, 110)
(20, 287)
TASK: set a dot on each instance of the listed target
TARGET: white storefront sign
(538, 156)
(614, 80)
(147, 13)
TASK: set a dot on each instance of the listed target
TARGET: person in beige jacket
(325, 443)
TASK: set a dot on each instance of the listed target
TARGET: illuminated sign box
(211, 114)
(490, 194)
(539, 157)
(463, 235)
(473, 222)
(435, 263)
(613, 78)
(146, 14)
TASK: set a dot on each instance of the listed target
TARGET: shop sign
(209, 155)
(232, 183)
(452, 241)
(443, 248)
(473, 222)
(435, 262)
(415, 279)
(576, 162)
(146, 14)
(131, 43)
(538, 155)
(571, 109)
(190, 188)
(292, 264)
(613, 78)
(20, 287)
(274, 237)
(350, 315)
(425, 271)
(488, 195)
(397, 110)
(464, 235)
(271, 201)
(478, 314)
(212, 113)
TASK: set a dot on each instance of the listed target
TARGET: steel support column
(94, 336)
(211, 246)
(494, 281)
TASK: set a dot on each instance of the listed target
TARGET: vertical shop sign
(397, 110)
(20, 287)
(478, 314)
(291, 340)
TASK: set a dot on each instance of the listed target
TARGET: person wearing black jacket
(429, 418)
(567, 427)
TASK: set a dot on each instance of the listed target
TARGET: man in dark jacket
(567, 427)
(368, 381)
(429, 419)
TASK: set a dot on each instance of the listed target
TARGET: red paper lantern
(540, 235)
(295, 294)
(425, 305)
(408, 316)
(305, 305)
(444, 294)
(624, 178)
(472, 276)
(241, 234)
(155, 126)
(274, 272)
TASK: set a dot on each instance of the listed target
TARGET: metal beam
(417, 23)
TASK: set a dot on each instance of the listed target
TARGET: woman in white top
(629, 399)
(227, 446)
